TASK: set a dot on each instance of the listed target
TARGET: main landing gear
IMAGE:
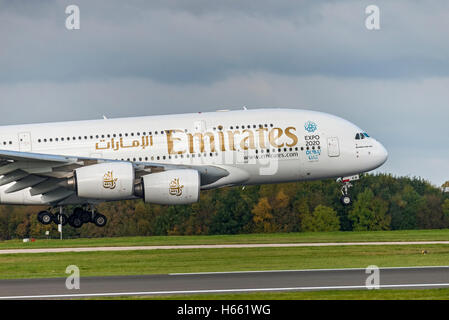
(346, 199)
(79, 217)
(46, 217)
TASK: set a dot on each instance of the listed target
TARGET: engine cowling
(105, 181)
(172, 187)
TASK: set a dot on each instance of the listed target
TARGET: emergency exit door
(25, 141)
(333, 147)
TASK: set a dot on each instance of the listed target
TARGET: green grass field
(300, 237)
(421, 294)
(138, 262)
(47, 265)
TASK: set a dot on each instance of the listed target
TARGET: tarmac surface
(228, 282)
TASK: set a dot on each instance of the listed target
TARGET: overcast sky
(174, 56)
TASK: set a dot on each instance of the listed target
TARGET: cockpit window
(361, 135)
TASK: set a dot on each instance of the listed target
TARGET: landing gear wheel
(39, 216)
(85, 216)
(346, 200)
(100, 220)
(60, 218)
(78, 211)
(45, 217)
(75, 221)
(82, 214)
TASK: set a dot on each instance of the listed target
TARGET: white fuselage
(255, 146)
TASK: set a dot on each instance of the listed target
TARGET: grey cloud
(156, 57)
(207, 41)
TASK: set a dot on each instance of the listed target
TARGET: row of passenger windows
(91, 137)
(132, 134)
(199, 155)
(249, 126)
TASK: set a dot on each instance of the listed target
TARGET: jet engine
(105, 181)
(170, 187)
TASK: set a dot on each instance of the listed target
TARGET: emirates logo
(108, 181)
(175, 188)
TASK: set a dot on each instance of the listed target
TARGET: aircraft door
(333, 147)
(25, 142)
(199, 126)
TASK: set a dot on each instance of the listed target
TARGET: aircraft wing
(46, 174)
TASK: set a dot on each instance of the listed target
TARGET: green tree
(445, 207)
(231, 211)
(369, 213)
(322, 219)
(404, 208)
(431, 216)
(263, 217)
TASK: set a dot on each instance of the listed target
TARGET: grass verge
(386, 294)
(49, 265)
(300, 237)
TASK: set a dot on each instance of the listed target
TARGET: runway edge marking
(301, 270)
(219, 291)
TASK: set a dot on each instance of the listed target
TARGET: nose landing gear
(346, 199)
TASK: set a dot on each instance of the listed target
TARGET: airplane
(169, 159)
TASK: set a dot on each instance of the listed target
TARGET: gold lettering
(109, 182)
(231, 139)
(291, 136)
(190, 139)
(171, 140)
(248, 142)
(175, 188)
(261, 132)
(275, 134)
(221, 141)
(211, 141)
(201, 137)
(104, 147)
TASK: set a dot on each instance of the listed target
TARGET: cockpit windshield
(361, 135)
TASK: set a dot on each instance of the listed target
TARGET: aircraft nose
(381, 154)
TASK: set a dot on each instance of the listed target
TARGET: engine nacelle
(172, 187)
(105, 181)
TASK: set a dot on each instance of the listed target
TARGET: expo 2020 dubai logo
(310, 126)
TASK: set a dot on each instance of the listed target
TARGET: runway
(226, 282)
(220, 246)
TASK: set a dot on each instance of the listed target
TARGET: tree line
(381, 202)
